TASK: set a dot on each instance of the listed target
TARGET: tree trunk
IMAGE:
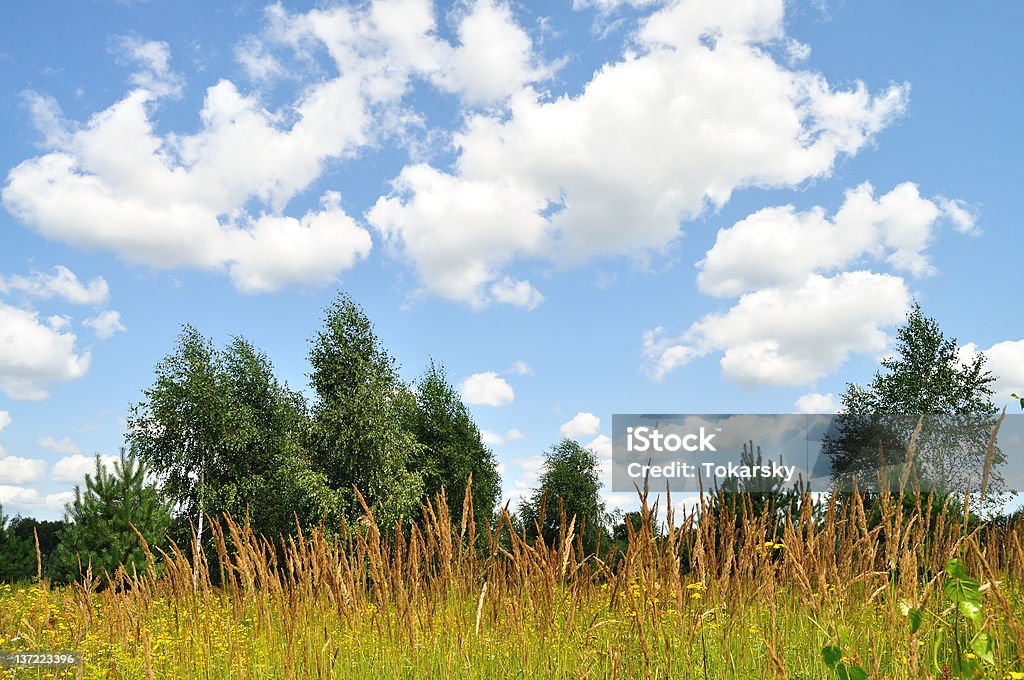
(199, 534)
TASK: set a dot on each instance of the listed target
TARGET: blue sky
(580, 208)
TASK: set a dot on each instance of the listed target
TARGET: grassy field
(710, 598)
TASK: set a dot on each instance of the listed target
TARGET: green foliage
(451, 449)
(570, 482)
(914, 619)
(832, 656)
(100, 536)
(634, 520)
(356, 438)
(924, 376)
(262, 455)
(1017, 396)
(962, 644)
(224, 436)
(180, 429)
(18, 560)
(17, 555)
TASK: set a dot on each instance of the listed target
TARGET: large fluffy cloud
(73, 469)
(779, 246)
(34, 353)
(1005, 361)
(15, 470)
(215, 198)
(796, 319)
(696, 108)
(789, 336)
(178, 200)
(700, 110)
(487, 389)
(583, 424)
(27, 499)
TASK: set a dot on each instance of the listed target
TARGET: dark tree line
(99, 533)
(217, 432)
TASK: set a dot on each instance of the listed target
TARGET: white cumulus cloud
(789, 336)
(1006, 362)
(602, 446)
(653, 139)
(494, 57)
(34, 354)
(15, 470)
(105, 324)
(26, 499)
(171, 200)
(215, 198)
(487, 389)
(62, 284)
(73, 469)
(509, 291)
(5, 420)
(816, 402)
(779, 246)
(583, 424)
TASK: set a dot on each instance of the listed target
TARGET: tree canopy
(451, 449)
(924, 376)
(571, 482)
(356, 437)
(225, 436)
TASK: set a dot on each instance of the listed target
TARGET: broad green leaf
(915, 617)
(857, 673)
(984, 646)
(965, 668)
(831, 656)
(848, 672)
(956, 569)
(962, 590)
(971, 610)
(959, 586)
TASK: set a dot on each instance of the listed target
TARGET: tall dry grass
(719, 591)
